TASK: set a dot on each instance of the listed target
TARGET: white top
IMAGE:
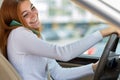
(31, 55)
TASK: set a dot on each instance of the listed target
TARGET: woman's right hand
(94, 66)
(109, 30)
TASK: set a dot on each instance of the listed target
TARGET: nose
(33, 15)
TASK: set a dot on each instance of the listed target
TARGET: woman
(32, 57)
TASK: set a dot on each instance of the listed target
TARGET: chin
(36, 27)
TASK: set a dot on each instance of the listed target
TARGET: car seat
(7, 71)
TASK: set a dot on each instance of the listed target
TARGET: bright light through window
(115, 4)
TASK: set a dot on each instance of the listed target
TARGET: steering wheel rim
(110, 46)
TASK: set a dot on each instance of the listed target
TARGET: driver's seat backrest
(7, 72)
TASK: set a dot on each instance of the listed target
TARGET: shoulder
(20, 29)
(20, 33)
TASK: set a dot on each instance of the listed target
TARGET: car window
(65, 21)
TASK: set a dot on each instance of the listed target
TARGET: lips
(34, 21)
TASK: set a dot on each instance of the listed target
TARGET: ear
(15, 23)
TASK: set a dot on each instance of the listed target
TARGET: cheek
(27, 21)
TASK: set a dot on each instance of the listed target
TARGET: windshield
(65, 21)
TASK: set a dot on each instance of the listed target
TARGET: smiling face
(29, 14)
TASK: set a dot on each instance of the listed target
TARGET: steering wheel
(110, 46)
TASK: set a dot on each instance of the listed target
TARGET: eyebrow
(26, 10)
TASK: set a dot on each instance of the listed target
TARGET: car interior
(109, 62)
(7, 71)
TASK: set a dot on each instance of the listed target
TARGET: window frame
(100, 9)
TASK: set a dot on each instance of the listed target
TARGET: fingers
(115, 29)
(94, 66)
(118, 32)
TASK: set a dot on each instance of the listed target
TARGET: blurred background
(63, 22)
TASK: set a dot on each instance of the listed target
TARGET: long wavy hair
(9, 11)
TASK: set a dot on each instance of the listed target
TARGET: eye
(25, 14)
(33, 8)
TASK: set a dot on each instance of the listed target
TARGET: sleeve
(59, 73)
(29, 43)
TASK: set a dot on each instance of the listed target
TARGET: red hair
(9, 11)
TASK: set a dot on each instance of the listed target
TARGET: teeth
(34, 20)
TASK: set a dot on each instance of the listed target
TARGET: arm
(29, 43)
(59, 73)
